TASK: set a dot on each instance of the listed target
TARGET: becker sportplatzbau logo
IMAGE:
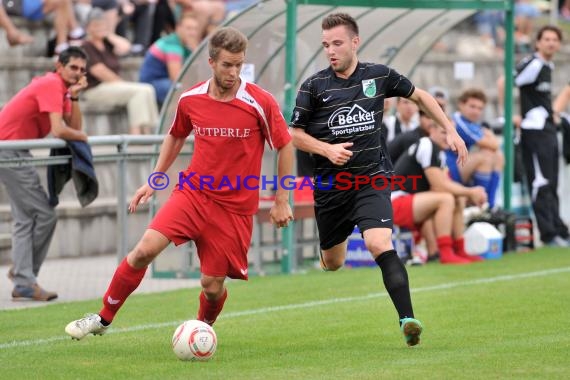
(349, 120)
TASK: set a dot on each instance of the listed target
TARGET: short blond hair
(229, 39)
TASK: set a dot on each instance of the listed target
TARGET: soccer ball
(194, 340)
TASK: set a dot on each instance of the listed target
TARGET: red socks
(125, 280)
(209, 310)
(459, 248)
(446, 253)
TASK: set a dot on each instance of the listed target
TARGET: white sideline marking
(272, 309)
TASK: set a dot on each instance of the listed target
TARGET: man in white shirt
(406, 119)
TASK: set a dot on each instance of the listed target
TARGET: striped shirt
(337, 110)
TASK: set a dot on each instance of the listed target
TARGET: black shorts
(337, 212)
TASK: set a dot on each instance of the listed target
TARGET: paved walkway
(78, 279)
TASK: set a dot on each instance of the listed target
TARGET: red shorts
(222, 238)
(404, 212)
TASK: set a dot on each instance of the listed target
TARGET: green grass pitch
(501, 319)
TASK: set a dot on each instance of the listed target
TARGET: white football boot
(90, 324)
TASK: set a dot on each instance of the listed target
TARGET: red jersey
(26, 115)
(229, 142)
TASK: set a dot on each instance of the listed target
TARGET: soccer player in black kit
(337, 118)
(538, 135)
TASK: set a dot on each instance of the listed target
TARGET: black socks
(395, 279)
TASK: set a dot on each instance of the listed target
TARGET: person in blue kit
(486, 160)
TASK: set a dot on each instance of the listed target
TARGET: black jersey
(403, 141)
(534, 79)
(337, 110)
(420, 156)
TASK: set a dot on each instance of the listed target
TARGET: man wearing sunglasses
(49, 104)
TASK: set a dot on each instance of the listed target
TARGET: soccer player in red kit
(231, 120)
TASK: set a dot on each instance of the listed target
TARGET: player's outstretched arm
(338, 154)
(429, 105)
(280, 214)
(169, 150)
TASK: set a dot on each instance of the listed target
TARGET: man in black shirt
(403, 141)
(337, 118)
(396, 148)
(428, 192)
(538, 135)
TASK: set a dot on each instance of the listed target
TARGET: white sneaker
(558, 242)
(474, 212)
(415, 261)
(90, 324)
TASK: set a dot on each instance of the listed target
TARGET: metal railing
(122, 156)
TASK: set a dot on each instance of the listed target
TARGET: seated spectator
(111, 8)
(428, 193)
(164, 21)
(525, 14)
(398, 147)
(210, 13)
(64, 21)
(441, 96)
(13, 35)
(405, 119)
(233, 7)
(491, 27)
(103, 75)
(149, 19)
(164, 60)
(486, 159)
(403, 141)
(139, 14)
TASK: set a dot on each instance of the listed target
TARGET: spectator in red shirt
(48, 104)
